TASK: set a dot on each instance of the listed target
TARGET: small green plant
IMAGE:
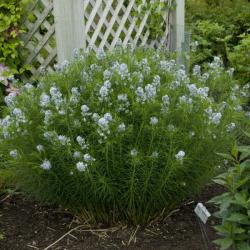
(234, 205)
(2, 237)
(121, 136)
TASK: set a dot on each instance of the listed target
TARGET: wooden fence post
(69, 27)
(178, 26)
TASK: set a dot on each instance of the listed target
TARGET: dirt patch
(28, 225)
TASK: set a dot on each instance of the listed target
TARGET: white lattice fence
(108, 21)
(105, 23)
(39, 40)
(87, 24)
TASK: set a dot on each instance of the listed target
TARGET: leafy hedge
(11, 27)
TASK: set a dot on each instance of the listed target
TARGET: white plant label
(202, 212)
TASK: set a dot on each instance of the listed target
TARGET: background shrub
(219, 27)
(240, 58)
(120, 136)
(210, 37)
(11, 27)
(234, 205)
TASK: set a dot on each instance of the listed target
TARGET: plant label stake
(202, 212)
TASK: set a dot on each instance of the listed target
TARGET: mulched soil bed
(28, 225)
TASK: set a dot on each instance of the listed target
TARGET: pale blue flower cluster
(82, 142)
(103, 124)
(144, 66)
(5, 124)
(47, 116)
(44, 100)
(123, 71)
(153, 120)
(40, 148)
(82, 166)
(200, 92)
(167, 65)
(185, 100)
(214, 117)
(148, 94)
(121, 127)
(56, 97)
(123, 103)
(216, 64)
(14, 154)
(105, 90)
(230, 127)
(19, 116)
(100, 54)
(180, 156)
(133, 152)
(63, 140)
(10, 100)
(60, 67)
(77, 155)
(46, 165)
(75, 95)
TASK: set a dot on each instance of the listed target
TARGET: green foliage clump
(240, 58)
(11, 27)
(211, 41)
(234, 205)
(120, 136)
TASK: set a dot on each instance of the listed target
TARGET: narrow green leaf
(243, 246)
(226, 156)
(247, 133)
(239, 218)
(245, 149)
(224, 243)
(220, 182)
(245, 164)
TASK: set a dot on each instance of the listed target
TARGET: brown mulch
(29, 225)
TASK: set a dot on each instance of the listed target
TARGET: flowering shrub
(122, 135)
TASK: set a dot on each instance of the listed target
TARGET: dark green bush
(211, 41)
(240, 58)
(219, 27)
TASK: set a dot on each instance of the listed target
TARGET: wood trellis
(40, 38)
(115, 20)
(59, 26)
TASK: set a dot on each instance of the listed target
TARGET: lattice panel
(39, 41)
(108, 21)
